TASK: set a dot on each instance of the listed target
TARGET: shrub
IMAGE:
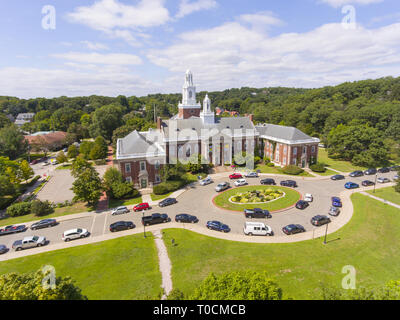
(19, 209)
(100, 162)
(33, 181)
(169, 186)
(318, 167)
(292, 170)
(41, 208)
(123, 190)
(270, 164)
(160, 189)
(267, 160)
(257, 160)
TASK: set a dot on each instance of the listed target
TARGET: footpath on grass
(381, 200)
(164, 263)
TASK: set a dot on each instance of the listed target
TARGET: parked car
(29, 242)
(218, 226)
(73, 234)
(301, 204)
(34, 161)
(308, 197)
(336, 202)
(235, 176)
(395, 168)
(257, 229)
(337, 177)
(268, 181)
(206, 181)
(289, 183)
(46, 223)
(357, 173)
(120, 210)
(186, 218)
(141, 207)
(334, 211)
(383, 180)
(3, 249)
(121, 226)
(155, 218)
(293, 229)
(222, 186)
(370, 171)
(384, 170)
(396, 177)
(46, 163)
(13, 229)
(367, 183)
(320, 220)
(351, 185)
(257, 213)
(240, 182)
(167, 202)
(251, 175)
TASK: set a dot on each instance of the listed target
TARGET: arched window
(188, 151)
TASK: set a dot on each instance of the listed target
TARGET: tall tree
(12, 142)
(88, 187)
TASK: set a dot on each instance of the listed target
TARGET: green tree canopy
(12, 142)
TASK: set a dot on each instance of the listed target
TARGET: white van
(257, 229)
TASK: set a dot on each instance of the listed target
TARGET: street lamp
(376, 177)
(326, 232)
(144, 225)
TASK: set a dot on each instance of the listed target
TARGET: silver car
(205, 181)
(120, 210)
(222, 186)
(75, 234)
(334, 211)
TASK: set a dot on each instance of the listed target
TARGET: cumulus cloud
(234, 55)
(95, 45)
(187, 7)
(339, 3)
(97, 58)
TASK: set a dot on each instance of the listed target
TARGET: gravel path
(164, 263)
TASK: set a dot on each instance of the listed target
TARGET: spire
(189, 79)
(207, 104)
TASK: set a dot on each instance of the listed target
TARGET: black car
(357, 173)
(257, 213)
(13, 229)
(186, 218)
(3, 249)
(384, 170)
(46, 223)
(293, 229)
(370, 171)
(167, 202)
(121, 226)
(337, 177)
(395, 168)
(320, 220)
(301, 204)
(155, 218)
(289, 183)
(269, 182)
(367, 183)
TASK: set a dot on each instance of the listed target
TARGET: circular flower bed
(257, 196)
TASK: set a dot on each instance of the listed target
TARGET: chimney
(250, 116)
(159, 123)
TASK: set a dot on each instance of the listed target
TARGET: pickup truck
(12, 229)
(257, 213)
(155, 218)
(29, 242)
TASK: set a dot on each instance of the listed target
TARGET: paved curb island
(335, 225)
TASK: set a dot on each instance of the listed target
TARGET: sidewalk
(381, 200)
(103, 202)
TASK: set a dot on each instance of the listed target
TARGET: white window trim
(142, 162)
(128, 165)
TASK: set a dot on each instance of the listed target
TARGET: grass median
(388, 194)
(369, 242)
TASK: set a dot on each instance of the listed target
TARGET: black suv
(384, 170)
(121, 226)
(155, 218)
(356, 173)
(367, 183)
(370, 172)
(293, 229)
(270, 182)
(257, 213)
(289, 183)
(167, 202)
(320, 220)
(186, 218)
(301, 204)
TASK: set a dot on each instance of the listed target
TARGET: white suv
(240, 182)
(308, 197)
(120, 210)
(75, 234)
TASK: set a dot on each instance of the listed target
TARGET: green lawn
(276, 170)
(370, 243)
(114, 203)
(343, 166)
(64, 167)
(326, 173)
(155, 197)
(58, 212)
(290, 198)
(388, 194)
(125, 268)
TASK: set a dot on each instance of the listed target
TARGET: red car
(141, 207)
(235, 176)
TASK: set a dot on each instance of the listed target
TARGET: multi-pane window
(142, 165)
(127, 167)
(295, 151)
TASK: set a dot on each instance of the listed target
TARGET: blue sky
(136, 47)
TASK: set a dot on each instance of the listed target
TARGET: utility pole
(154, 107)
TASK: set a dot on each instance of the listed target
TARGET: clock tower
(189, 107)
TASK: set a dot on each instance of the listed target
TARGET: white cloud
(97, 58)
(261, 18)
(234, 55)
(95, 45)
(187, 7)
(339, 3)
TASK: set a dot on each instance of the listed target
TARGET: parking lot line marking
(91, 229)
(105, 223)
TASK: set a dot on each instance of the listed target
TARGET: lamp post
(376, 177)
(144, 226)
(326, 232)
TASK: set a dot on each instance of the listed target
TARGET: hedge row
(318, 167)
(169, 186)
(292, 170)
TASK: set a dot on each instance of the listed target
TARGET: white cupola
(207, 115)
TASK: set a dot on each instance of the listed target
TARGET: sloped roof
(140, 144)
(49, 137)
(277, 132)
